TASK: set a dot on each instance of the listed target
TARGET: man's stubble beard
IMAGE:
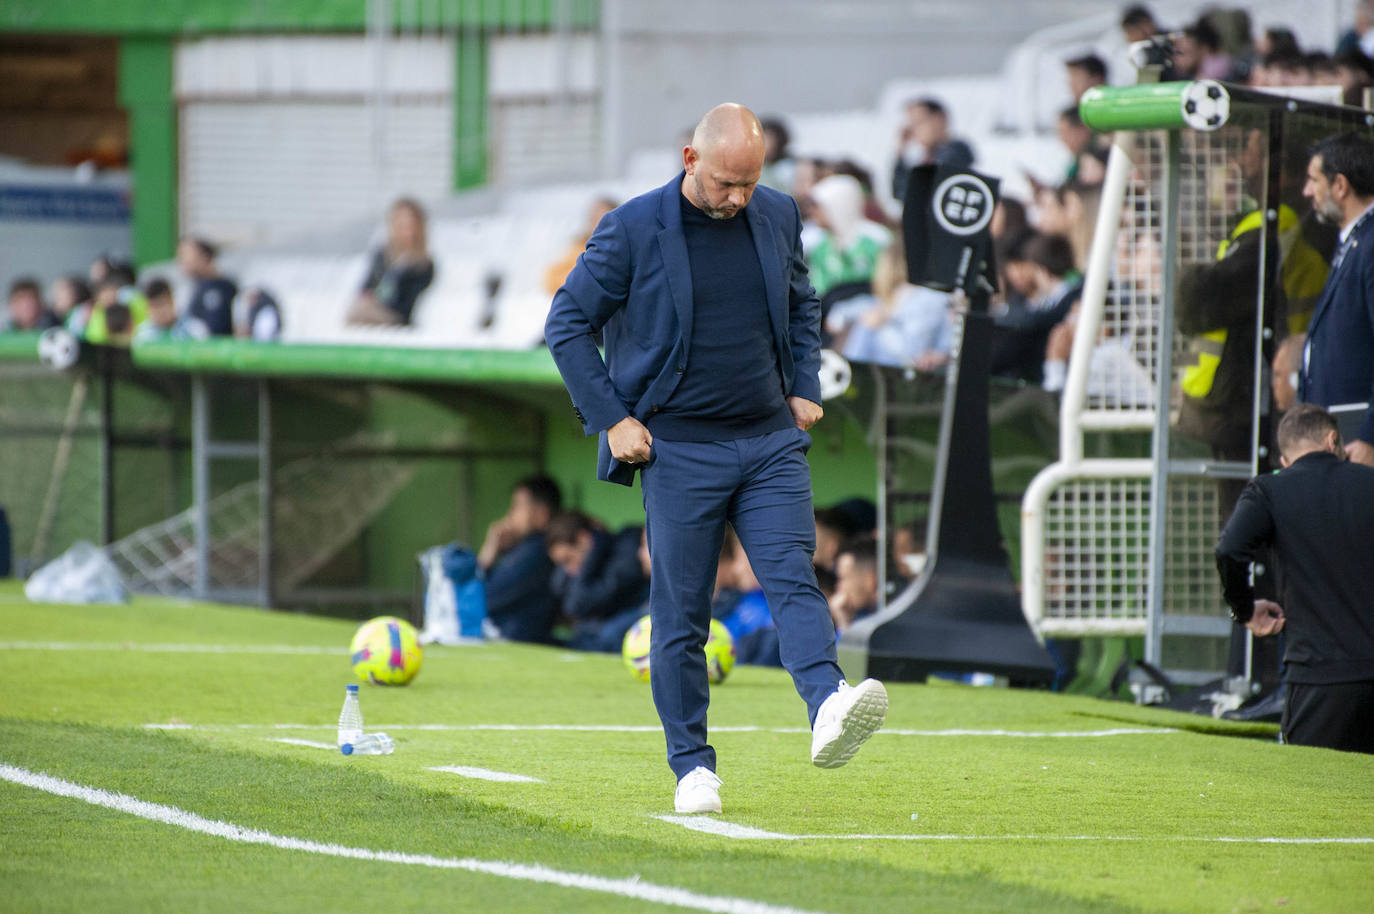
(705, 207)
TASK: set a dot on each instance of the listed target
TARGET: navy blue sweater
(732, 386)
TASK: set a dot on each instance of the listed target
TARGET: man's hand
(1267, 620)
(630, 441)
(1359, 451)
(499, 539)
(804, 412)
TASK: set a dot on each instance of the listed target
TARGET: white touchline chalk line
(655, 728)
(302, 742)
(168, 648)
(721, 829)
(485, 774)
(171, 815)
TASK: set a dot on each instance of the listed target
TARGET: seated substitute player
(516, 566)
(710, 380)
(598, 580)
(1316, 516)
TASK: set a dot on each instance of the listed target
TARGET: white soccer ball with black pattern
(836, 374)
(1206, 105)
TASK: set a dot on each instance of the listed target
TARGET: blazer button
(653, 409)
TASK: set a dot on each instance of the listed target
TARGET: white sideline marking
(722, 829)
(485, 774)
(171, 815)
(168, 648)
(303, 742)
(655, 728)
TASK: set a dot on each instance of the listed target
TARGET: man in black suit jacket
(1338, 359)
(1316, 518)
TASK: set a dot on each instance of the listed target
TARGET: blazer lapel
(672, 245)
(767, 249)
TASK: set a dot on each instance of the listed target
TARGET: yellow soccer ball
(386, 651)
(720, 651)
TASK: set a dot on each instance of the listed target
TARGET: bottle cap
(346, 748)
(352, 688)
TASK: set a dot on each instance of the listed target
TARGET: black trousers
(1338, 716)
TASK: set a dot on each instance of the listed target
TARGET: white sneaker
(845, 721)
(698, 791)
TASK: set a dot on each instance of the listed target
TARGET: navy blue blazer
(1340, 367)
(634, 285)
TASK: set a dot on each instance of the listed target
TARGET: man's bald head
(724, 162)
(727, 126)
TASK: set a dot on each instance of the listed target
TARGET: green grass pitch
(1115, 822)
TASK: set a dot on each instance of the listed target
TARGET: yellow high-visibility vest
(1302, 270)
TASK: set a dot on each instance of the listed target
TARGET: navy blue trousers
(762, 486)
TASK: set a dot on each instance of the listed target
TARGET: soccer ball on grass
(386, 651)
(720, 651)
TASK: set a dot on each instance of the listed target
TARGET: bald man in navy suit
(709, 383)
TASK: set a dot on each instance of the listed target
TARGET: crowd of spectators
(560, 576)
(113, 304)
(110, 305)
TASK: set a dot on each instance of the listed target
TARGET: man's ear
(689, 159)
(1340, 188)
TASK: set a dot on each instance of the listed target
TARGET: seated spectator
(71, 301)
(1115, 375)
(899, 324)
(559, 269)
(162, 312)
(25, 308)
(1322, 69)
(856, 582)
(119, 325)
(401, 269)
(1276, 39)
(117, 288)
(834, 527)
(1360, 37)
(873, 211)
(212, 295)
(516, 565)
(1138, 24)
(100, 268)
(1084, 73)
(909, 547)
(1077, 138)
(779, 168)
(843, 258)
(597, 579)
(1354, 74)
(262, 322)
(1187, 56)
(1041, 269)
(1214, 62)
(749, 621)
(925, 138)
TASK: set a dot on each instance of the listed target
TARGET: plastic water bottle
(369, 744)
(350, 719)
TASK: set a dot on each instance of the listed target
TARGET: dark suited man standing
(1338, 358)
(1316, 518)
(709, 383)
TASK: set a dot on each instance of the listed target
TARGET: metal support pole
(200, 480)
(107, 462)
(1159, 481)
(265, 494)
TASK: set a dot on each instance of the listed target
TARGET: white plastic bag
(82, 574)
